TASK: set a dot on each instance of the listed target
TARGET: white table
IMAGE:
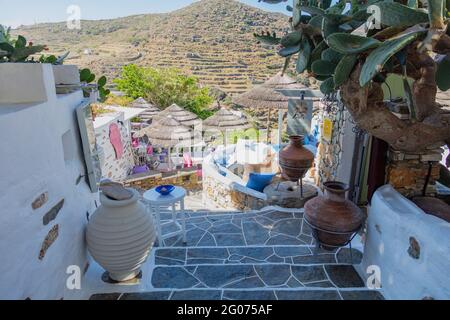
(155, 201)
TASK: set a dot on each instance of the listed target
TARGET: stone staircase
(264, 255)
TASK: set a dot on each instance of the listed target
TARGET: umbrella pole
(224, 147)
(268, 126)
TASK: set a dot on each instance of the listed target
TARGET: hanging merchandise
(116, 140)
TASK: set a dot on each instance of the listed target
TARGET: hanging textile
(116, 140)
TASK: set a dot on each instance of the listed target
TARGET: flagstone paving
(250, 256)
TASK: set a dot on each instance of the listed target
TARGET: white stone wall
(113, 168)
(41, 160)
(410, 248)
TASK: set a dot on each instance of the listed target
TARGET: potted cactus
(353, 46)
(20, 66)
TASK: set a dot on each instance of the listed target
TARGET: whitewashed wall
(35, 163)
(410, 248)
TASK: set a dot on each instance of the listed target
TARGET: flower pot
(335, 218)
(120, 235)
(295, 160)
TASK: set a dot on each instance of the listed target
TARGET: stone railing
(229, 191)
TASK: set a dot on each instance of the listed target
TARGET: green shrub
(163, 87)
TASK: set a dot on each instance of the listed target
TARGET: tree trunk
(367, 107)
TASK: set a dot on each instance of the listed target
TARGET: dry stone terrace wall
(210, 39)
(226, 197)
(188, 179)
(408, 172)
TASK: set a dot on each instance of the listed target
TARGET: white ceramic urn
(120, 235)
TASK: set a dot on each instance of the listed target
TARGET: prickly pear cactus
(353, 46)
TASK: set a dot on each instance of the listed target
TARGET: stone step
(247, 294)
(268, 228)
(294, 255)
(256, 276)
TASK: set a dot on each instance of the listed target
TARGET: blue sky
(17, 12)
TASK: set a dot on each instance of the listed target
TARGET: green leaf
(413, 4)
(351, 44)
(326, 4)
(305, 19)
(266, 39)
(21, 42)
(377, 58)
(336, 18)
(21, 54)
(361, 15)
(323, 67)
(321, 78)
(436, 13)
(297, 13)
(7, 47)
(327, 86)
(329, 28)
(396, 14)
(291, 39)
(85, 74)
(344, 69)
(316, 54)
(331, 55)
(91, 78)
(316, 22)
(304, 56)
(337, 8)
(102, 81)
(312, 10)
(442, 74)
(289, 51)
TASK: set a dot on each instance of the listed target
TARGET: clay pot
(120, 235)
(295, 160)
(332, 212)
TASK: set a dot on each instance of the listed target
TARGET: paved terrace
(252, 256)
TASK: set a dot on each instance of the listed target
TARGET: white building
(115, 166)
(44, 198)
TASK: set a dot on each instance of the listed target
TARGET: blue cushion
(258, 181)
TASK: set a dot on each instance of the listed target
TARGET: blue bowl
(165, 190)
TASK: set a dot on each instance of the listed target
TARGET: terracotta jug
(295, 160)
(332, 212)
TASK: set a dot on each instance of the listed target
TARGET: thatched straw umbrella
(183, 116)
(262, 97)
(150, 110)
(225, 120)
(283, 82)
(267, 96)
(167, 133)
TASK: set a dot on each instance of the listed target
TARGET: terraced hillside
(212, 39)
